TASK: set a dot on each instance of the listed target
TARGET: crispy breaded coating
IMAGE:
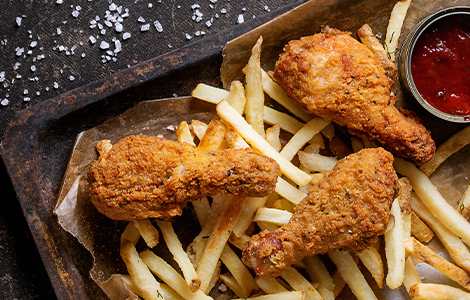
(335, 76)
(347, 209)
(149, 177)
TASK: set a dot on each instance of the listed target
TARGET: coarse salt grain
(126, 36)
(75, 14)
(5, 102)
(18, 21)
(158, 26)
(117, 46)
(118, 27)
(104, 45)
(240, 19)
(145, 27)
(26, 99)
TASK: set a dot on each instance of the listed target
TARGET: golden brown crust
(348, 209)
(334, 75)
(150, 177)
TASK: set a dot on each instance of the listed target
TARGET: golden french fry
(283, 204)
(239, 271)
(394, 26)
(179, 255)
(168, 292)
(464, 203)
(300, 283)
(141, 276)
(183, 134)
(246, 216)
(372, 260)
(236, 97)
(420, 230)
(434, 291)
(209, 93)
(234, 140)
(317, 272)
(356, 144)
(368, 38)
(292, 295)
(130, 233)
(270, 285)
(411, 275)
(287, 122)
(148, 232)
(170, 276)
(279, 95)
(217, 240)
(202, 209)
(317, 162)
(233, 119)
(288, 191)
(329, 131)
(430, 257)
(238, 241)
(456, 248)
(339, 283)
(230, 281)
(272, 136)
(214, 137)
(351, 274)
(429, 194)
(254, 90)
(325, 293)
(272, 215)
(199, 128)
(446, 149)
(302, 136)
(394, 248)
(271, 227)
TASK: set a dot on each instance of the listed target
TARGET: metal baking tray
(37, 143)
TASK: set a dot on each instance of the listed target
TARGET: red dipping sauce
(440, 64)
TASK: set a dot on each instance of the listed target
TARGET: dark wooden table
(50, 47)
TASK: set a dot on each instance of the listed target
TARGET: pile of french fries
(418, 214)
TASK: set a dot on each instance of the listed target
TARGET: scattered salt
(75, 14)
(33, 44)
(240, 19)
(117, 46)
(33, 68)
(27, 99)
(104, 45)
(71, 78)
(59, 31)
(141, 20)
(145, 27)
(5, 102)
(126, 36)
(18, 21)
(59, 1)
(92, 39)
(56, 85)
(188, 37)
(118, 27)
(158, 26)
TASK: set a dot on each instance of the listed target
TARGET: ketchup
(440, 64)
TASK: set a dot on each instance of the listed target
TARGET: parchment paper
(101, 236)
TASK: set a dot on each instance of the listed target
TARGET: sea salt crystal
(195, 6)
(71, 78)
(112, 7)
(18, 21)
(75, 14)
(188, 37)
(83, 55)
(141, 20)
(25, 92)
(240, 19)
(33, 68)
(59, 31)
(15, 67)
(56, 85)
(118, 27)
(208, 23)
(5, 102)
(145, 27)
(59, 1)
(92, 39)
(158, 26)
(33, 44)
(19, 51)
(223, 11)
(2, 76)
(104, 45)
(126, 36)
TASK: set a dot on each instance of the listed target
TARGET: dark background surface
(45, 50)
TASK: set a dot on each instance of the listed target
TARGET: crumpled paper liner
(100, 235)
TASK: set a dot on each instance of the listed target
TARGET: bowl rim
(404, 62)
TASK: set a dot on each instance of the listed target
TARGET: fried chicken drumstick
(335, 76)
(150, 177)
(348, 209)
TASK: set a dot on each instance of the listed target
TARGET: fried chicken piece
(149, 177)
(347, 209)
(335, 76)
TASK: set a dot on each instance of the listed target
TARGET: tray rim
(19, 143)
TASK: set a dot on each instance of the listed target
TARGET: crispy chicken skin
(348, 209)
(335, 76)
(150, 177)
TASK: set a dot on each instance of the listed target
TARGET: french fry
(430, 257)
(272, 136)
(270, 285)
(300, 283)
(291, 295)
(317, 162)
(357, 144)
(272, 215)
(233, 119)
(209, 93)
(429, 194)
(289, 192)
(168, 292)
(238, 241)
(170, 276)
(217, 240)
(234, 140)
(457, 250)
(148, 232)
(394, 26)
(325, 293)
(183, 134)
(351, 274)
(214, 137)
(279, 95)
(246, 216)
(130, 233)
(254, 90)
(317, 272)
(329, 131)
(199, 128)
(339, 283)
(141, 276)
(179, 255)
(446, 149)
(464, 203)
(230, 281)
(236, 97)
(420, 230)
(404, 196)
(283, 204)
(287, 122)
(302, 136)
(411, 275)
(271, 227)
(434, 291)
(239, 271)
(202, 209)
(394, 248)
(372, 260)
